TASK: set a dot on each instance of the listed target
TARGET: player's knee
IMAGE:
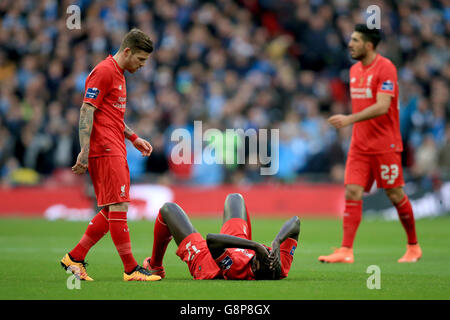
(234, 200)
(297, 221)
(234, 197)
(353, 192)
(171, 212)
(167, 208)
(119, 207)
(297, 226)
(395, 195)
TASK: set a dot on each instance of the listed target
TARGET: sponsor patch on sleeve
(292, 250)
(226, 263)
(387, 85)
(92, 93)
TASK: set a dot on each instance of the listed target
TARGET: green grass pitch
(30, 251)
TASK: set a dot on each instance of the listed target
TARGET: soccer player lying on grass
(231, 254)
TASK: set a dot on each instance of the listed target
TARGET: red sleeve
(387, 79)
(287, 250)
(236, 265)
(96, 86)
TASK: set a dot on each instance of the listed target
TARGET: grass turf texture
(30, 251)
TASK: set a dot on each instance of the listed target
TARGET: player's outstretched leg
(235, 208)
(171, 222)
(75, 259)
(118, 228)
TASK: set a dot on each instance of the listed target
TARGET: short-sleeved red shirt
(380, 134)
(105, 89)
(236, 263)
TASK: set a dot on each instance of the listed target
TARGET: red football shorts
(385, 169)
(236, 227)
(111, 179)
(194, 251)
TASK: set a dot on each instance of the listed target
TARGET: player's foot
(78, 268)
(341, 255)
(413, 253)
(140, 274)
(159, 271)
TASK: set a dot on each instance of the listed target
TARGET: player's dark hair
(371, 35)
(137, 40)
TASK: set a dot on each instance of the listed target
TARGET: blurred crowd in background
(250, 64)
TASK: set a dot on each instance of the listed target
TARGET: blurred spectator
(444, 154)
(232, 64)
(426, 157)
(426, 161)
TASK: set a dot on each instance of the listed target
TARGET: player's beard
(133, 69)
(360, 56)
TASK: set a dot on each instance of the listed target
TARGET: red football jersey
(105, 89)
(380, 134)
(236, 263)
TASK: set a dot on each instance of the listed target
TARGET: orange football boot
(78, 268)
(140, 274)
(159, 271)
(413, 253)
(340, 255)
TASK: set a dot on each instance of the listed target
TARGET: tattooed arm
(84, 131)
(141, 144)
(128, 132)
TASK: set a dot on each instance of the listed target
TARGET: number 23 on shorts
(389, 173)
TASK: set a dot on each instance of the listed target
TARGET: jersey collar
(116, 64)
(370, 65)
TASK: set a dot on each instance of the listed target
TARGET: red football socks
(352, 219)
(161, 239)
(120, 235)
(406, 216)
(96, 229)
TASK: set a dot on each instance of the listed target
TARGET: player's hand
(274, 255)
(261, 252)
(81, 165)
(340, 121)
(143, 146)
